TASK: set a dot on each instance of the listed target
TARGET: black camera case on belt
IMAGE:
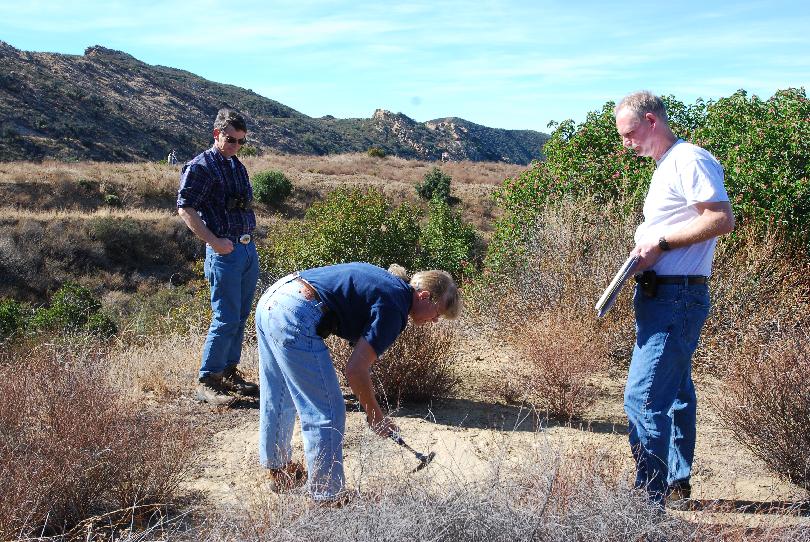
(648, 282)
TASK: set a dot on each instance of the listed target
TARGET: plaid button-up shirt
(206, 184)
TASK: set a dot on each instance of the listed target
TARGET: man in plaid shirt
(214, 200)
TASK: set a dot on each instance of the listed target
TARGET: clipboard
(610, 294)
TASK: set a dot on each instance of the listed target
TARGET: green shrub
(764, 147)
(73, 308)
(376, 152)
(435, 185)
(446, 242)
(248, 150)
(349, 225)
(101, 325)
(271, 187)
(113, 200)
(12, 318)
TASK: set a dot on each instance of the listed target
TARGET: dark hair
(228, 117)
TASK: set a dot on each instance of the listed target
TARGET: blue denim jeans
(296, 374)
(660, 399)
(233, 280)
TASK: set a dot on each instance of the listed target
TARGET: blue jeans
(296, 374)
(660, 399)
(233, 279)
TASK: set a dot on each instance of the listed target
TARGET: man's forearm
(715, 220)
(196, 225)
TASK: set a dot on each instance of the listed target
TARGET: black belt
(678, 279)
(682, 279)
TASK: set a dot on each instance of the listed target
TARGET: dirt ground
(471, 431)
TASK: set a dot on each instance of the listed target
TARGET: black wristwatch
(663, 245)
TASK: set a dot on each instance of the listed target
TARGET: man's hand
(648, 254)
(385, 428)
(222, 246)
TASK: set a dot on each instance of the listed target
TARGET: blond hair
(439, 284)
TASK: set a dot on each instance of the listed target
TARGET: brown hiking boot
(234, 381)
(212, 391)
(291, 476)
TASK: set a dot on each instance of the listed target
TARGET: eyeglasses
(231, 139)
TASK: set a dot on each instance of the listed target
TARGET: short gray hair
(228, 117)
(641, 103)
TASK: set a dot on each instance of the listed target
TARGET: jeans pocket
(292, 324)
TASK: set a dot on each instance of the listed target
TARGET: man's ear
(216, 133)
(423, 294)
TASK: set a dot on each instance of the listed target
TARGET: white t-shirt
(685, 175)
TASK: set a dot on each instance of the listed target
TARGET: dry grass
(556, 495)
(72, 448)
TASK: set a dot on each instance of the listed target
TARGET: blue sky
(506, 64)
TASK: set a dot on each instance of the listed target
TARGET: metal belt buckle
(244, 239)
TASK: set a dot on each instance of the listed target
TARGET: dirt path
(470, 432)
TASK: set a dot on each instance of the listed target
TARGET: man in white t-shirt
(685, 210)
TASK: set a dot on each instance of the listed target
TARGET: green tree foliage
(271, 187)
(349, 225)
(764, 147)
(435, 185)
(446, 242)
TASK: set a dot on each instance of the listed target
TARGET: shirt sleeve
(703, 182)
(385, 325)
(195, 185)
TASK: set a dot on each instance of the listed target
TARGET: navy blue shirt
(369, 301)
(206, 184)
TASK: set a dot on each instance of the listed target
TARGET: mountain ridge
(107, 105)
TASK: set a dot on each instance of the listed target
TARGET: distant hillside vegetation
(107, 105)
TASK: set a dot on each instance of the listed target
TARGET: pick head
(424, 460)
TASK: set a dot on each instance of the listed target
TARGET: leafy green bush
(101, 325)
(113, 200)
(271, 187)
(764, 147)
(73, 308)
(376, 152)
(12, 318)
(435, 185)
(248, 150)
(349, 225)
(446, 242)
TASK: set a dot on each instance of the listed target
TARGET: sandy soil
(470, 431)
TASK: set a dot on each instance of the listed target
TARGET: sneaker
(291, 476)
(234, 381)
(678, 494)
(212, 391)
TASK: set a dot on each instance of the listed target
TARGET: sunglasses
(231, 139)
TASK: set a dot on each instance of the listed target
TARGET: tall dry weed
(560, 360)
(418, 367)
(72, 448)
(765, 403)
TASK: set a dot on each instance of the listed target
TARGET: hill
(107, 105)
